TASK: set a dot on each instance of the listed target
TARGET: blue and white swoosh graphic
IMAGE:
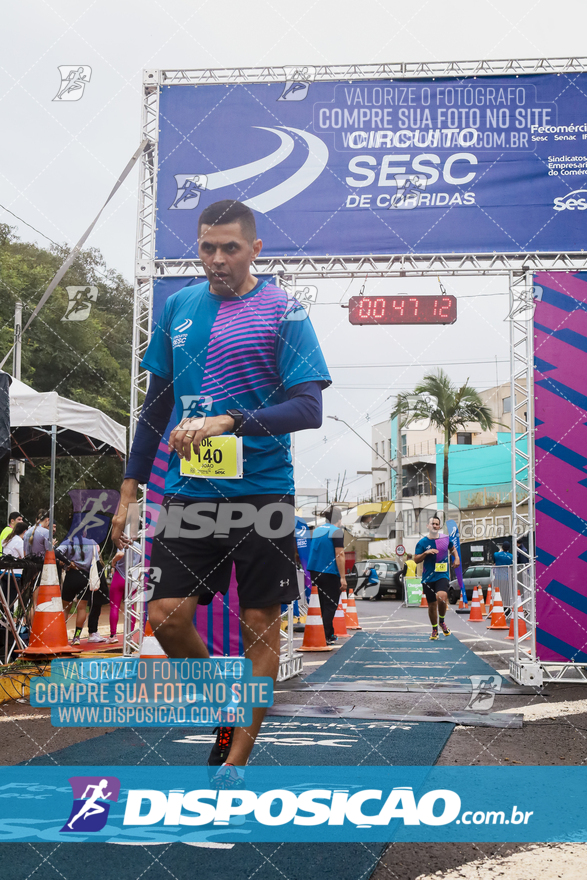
(299, 181)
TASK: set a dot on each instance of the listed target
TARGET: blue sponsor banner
(379, 167)
(302, 804)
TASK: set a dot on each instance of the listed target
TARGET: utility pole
(16, 467)
(399, 523)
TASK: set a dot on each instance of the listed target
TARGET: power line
(38, 231)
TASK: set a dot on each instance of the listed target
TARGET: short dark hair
(14, 514)
(506, 546)
(229, 211)
(332, 514)
(433, 516)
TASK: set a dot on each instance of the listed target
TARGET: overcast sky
(59, 160)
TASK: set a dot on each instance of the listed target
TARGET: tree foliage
(448, 407)
(87, 361)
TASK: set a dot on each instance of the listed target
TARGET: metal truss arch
(383, 71)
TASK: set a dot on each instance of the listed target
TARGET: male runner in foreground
(432, 550)
(261, 378)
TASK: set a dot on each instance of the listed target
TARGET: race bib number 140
(218, 458)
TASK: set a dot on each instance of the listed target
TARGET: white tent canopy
(82, 429)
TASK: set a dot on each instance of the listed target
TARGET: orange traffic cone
(345, 602)
(339, 622)
(151, 649)
(498, 620)
(489, 601)
(475, 614)
(481, 599)
(521, 621)
(48, 630)
(314, 638)
(351, 617)
(423, 601)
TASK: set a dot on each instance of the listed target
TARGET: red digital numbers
(402, 310)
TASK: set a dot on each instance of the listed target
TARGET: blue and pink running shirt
(244, 355)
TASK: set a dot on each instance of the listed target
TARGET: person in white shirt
(12, 545)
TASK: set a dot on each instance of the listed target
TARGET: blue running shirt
(240, 354)
(429, 573)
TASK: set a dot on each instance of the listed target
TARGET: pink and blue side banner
(560, 387)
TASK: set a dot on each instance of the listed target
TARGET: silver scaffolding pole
(524, 667)
(134, 605)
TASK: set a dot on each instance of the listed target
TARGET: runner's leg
(173, 625)
(260, 629)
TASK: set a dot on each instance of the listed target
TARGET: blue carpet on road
(282, 741)
(403, 656)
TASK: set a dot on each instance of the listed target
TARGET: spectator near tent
(13, 518)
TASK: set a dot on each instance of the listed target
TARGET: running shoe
(227, 777)
(445, 629)
(434, 636)
(96, 637)
(113, 640)
(75, 640)
(332, 640)
(221, 747)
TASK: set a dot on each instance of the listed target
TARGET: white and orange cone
(339, 622)
(489, 601)
(49, 630)
(151, 649)
(498, 620)
(351, 617)
(314, 638)
(521, 621)
(475, 614)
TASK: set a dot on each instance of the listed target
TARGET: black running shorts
(431, 589)
(76, 584)
(201, 539)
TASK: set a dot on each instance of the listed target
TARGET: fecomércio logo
(573, 201)
(191, 185)
(91, 797)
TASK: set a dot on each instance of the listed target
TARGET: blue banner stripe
(565, 650)
(562, 300)
(564, 391)
(544, 557)
(565, 517)
(543, 366)
(568, 596)
(569, 337)
(583, 483)
(583, 556)
(563, 452)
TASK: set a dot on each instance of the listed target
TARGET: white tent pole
(52, 484)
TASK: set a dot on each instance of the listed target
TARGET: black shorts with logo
(200, 564)
(434, 587)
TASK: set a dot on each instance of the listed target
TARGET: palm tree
(447, 407)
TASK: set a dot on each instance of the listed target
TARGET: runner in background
(433, 551)
(326, 565)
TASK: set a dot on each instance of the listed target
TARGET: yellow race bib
(218, 458)
(440, 566)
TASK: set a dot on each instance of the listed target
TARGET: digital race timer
(403, 309)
